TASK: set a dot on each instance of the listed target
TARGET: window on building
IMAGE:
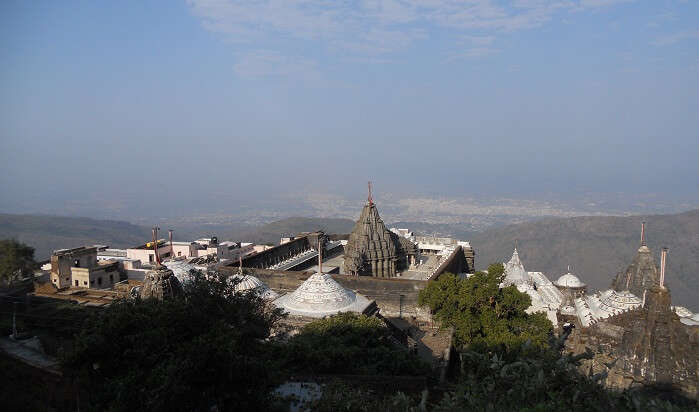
(179, 253)
(99, 281)
(151, 258)
(92, 282)
(76, 263)
(111, 278)
(77, 283)
(85, 282)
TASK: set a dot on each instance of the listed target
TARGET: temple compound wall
(278, 253)
(457, 262)
(394, 297)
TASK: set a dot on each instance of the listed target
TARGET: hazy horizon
(176, 108)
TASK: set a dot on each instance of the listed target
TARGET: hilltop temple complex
(637, 337)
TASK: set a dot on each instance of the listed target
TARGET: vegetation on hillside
(540, 381)
(213, 348)
(47, 233)
(484, 315)
(348, 344)
(197, 352)
(16, 261)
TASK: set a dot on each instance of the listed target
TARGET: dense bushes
(191, 353)
(348, 344)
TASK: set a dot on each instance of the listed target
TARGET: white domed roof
(246, 282)
(321, 295)
(696, 317)
(569, 280)
(251, 283)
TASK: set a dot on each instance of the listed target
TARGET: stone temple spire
(374, 250)
(641, 274)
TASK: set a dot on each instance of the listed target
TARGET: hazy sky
(167, 104)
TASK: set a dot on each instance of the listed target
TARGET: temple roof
(515, 274)
(569, 280)
(181, 269)
(610, 302)
(640, 275)
(251, 283)
(320, 295)
(370, 240)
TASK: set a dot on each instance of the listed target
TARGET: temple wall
(386, 292)
(456, 263)
(276, 254)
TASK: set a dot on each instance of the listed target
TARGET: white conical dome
(251, 283)
(569, 280)
(515, 274)
(321, 295)
(320, 292)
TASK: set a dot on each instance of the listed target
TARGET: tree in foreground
(348, 343)
(16, 260)
(203, 350)
(484, 315)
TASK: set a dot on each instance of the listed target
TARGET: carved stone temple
(641, 273)
(374, 250)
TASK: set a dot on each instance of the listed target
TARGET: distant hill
(272, 232)
(47, 233)
(597, 248)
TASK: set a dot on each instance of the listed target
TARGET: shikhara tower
(374, 250)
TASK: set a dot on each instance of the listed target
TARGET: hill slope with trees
(47, 233)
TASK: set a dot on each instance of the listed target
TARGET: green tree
(16, 259)
(200, 351)
(484, 315)
(348, 343)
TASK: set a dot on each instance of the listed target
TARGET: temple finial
(371, 201)
(155, 245)
(643, 233)
(515, 245)
(663, 262)
(320, 254)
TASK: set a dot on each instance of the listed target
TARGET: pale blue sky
(247, 98)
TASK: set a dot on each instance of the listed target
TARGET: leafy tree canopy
(196, 352)
(484, 315)
(15, 259)
(348, 344)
